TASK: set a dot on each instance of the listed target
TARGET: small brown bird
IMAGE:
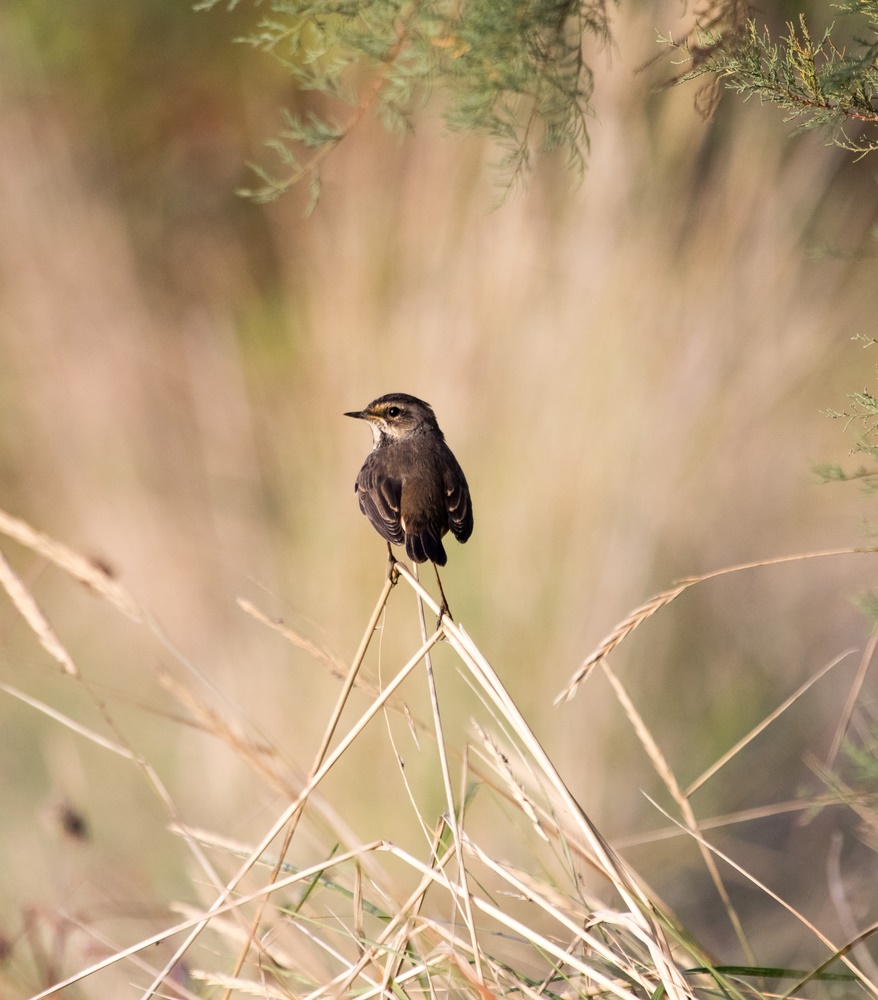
(411, 487)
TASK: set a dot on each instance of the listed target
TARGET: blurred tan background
(632, 373)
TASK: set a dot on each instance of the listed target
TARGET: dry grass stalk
(853, 696)
(623, 952)
(646, 610)
(87, 571)
(836, 952)
(22, 598)
(765, 723)
(324, 746)
(199, 921)
(666, 774)
(294, 808)
(639, 905)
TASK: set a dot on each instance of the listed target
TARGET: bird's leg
(443, 607)
(392, 571)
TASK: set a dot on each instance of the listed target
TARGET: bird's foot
(392, 568)
(444, 612)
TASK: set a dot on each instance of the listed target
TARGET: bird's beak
(358, 414)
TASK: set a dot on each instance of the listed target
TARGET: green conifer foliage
(512, 70)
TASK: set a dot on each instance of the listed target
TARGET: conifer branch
(508, 70)
(818, 82)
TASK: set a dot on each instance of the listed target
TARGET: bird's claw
(444, 612)
(392, 568)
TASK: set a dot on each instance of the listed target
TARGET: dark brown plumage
(411, 487)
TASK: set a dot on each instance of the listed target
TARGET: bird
(411, 487)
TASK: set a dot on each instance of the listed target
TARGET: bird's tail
(423, 545)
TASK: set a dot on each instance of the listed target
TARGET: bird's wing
(457, 500)
(379, 497)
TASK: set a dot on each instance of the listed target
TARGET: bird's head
(396, 417)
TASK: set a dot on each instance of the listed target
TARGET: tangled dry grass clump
(449, 916)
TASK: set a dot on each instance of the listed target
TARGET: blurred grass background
(631, 372)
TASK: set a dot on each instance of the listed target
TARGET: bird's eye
(393, 411)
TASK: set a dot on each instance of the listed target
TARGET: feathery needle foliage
(818, 82)
(862, 413)
(511, 70)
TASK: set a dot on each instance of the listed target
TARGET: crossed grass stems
(634, 950)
